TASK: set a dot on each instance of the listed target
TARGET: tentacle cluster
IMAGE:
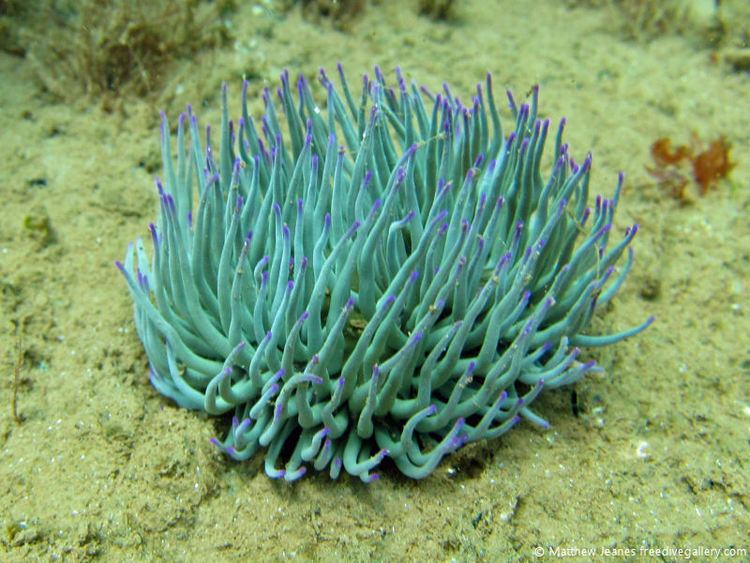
(391, 277)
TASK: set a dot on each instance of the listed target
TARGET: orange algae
(673, 167)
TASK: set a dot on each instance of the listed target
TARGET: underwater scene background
(650, 454)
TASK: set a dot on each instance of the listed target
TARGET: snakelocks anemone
(387, 276)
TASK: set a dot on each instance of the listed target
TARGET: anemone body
(392, 276)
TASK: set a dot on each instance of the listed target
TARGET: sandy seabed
(655, 456)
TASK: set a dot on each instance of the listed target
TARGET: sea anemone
(391, 278)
